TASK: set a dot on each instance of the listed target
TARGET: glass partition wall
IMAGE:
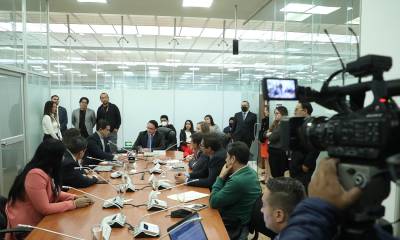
(24, 58)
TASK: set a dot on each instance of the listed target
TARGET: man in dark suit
(61, 114)
(76, 147)
(150, 139)
(245, 122)
(98, 146)
(110, 113)
(211, 146)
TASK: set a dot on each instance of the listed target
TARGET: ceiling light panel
(81, 28)
(297, 17)
(148, 30)
(190, 32)
(128, 30)
(197, 3)
(58, 28)
(211, 33)
(103, 29)
(168, 31)
(322, 10)
(297, 7)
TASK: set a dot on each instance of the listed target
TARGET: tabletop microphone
(50, 231)
(168, 148)
(145, 229)
(178, 185)
(104, 161)
(114, 220)
(129, 151)
(97, 175)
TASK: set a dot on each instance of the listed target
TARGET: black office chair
(257, 224)
(169, 137)
(3, 222)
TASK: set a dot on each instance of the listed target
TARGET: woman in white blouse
(50, 125)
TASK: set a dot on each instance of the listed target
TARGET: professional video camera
(365, 139)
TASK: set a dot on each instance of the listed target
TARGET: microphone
(50, 231)
(115, 220)
(168, 148)
(145, 229)
(182, 184)
(129, 151)
(116, 200)
(104, 161)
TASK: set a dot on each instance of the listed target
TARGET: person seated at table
(211, 146)
(185, 138)
(76, 147)
(235, 191)
(198, 161)
(150, 139)
(36, 191)
(164, 122)
(213, 127)
(98, 146)
(203, 127)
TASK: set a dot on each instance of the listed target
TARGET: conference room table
(79, 222)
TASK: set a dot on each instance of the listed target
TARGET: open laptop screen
(188, 228)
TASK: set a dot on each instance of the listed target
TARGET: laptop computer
(188, 228)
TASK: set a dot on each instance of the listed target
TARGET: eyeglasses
(151, 128)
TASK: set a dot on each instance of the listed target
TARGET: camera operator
(302, 163)
(317, 217)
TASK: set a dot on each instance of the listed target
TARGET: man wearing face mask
(245, 123)
(235, 191)
(229, 129)
(76, 147)
(165, 123)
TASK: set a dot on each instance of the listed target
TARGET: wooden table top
(79, 222)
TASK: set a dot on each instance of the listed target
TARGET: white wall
(380, 35)
(139, 106)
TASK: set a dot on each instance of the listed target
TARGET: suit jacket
(244, 130)
(158, 142)
(209, 174)
(62, 118)
(95, 149)
(90, 120)
(74, 177)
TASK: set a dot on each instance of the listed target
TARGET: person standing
(278, 161)
(302, 163)
(245, 123)
(50, 125)
(84, 118)
(110, 113)
(262, 138)
(62, 116)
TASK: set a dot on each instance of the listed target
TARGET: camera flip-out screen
(279, 89)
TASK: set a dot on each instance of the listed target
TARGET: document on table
(188, 196)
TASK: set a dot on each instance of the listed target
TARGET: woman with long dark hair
(213, 127)
(263, 139)
(36, 191)
(278, 161)
(50, 125)
(185, 137)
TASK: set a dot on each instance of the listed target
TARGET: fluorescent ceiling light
(177, 53)
(297, 17)
(233, 69)
(103, 29)
(296, 7)
(58, 28)
(349, 8)
(322, 10)
(58, 49)
(190, 32)
(59, 66)
(294, 57)
(58, 74)
(92, 1)
(211, 33)
(128, 73)
(128, 30)
(83, 75)
(123, 67)
(173, 60)
(153, 68)
(147, 30)
(355, 21)
(81, 28)
(194, 69)
(197, 3)
(67, 69)
(75, 72)
(97, 70)
(168, 31)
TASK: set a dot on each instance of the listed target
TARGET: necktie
(244, 116)
(149, 141)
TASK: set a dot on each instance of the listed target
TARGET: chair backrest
(257, 223)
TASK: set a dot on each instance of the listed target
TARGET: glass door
(12, 135)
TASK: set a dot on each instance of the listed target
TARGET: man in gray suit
(84, 118)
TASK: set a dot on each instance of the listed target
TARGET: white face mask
(164, 123)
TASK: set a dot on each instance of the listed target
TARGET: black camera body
(364, 139)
